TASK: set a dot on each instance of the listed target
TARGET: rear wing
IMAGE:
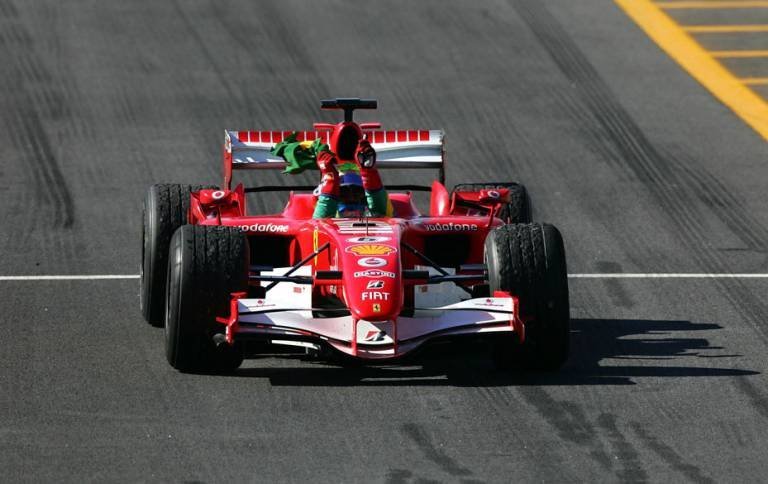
(394, 149)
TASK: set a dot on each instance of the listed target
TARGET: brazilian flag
(299, 155)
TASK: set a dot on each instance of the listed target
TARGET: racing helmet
(352, 201)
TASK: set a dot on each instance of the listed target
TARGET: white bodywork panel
(435, 295)
(287, 294)
(279, 316)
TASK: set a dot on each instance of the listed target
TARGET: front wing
(281, 320)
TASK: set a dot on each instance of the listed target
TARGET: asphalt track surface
(640, 168)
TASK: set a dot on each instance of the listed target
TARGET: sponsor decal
(375, 273)
(493, 194)
(315, 241)
(347, 226)
(261, 303)
(371, 249)
(371, 262)
(377, 284)
(450, 227)
(376, 308)
(490, 303)
(375, 335)
(375, 296)
(367, 240)
(218, 195)
(227, 142)
(264, 228)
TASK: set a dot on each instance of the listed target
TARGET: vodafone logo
(264, 228)
(218, 195)
(450, 226)
(371, 262)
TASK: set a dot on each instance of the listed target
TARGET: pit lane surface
(640, 167)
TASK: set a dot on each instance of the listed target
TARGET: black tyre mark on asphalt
(420, 437)
(570, 422)
(616, 291)
(503, 404)
(626, 455)
(721, 201)
(292, 90)
(233, 96)
(676, 183)
(402, 476)
(669, 455)
(398, 476)
(758, 400)
(24, 107)
(676, 186)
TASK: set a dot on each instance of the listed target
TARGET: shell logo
(371, 249)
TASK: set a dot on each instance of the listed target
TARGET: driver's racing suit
(376, 196)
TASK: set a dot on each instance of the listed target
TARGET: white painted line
(668, 275)
(608, 275)
(74, 277)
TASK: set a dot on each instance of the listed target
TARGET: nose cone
(372, 281)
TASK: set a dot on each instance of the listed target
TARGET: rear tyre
(207, 265)
(528, 261)
(165, 209)
(517, 211)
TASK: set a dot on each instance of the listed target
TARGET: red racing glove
(329, 183)
(366, 156)
(365, 153)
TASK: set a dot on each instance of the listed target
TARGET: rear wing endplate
(394, 149)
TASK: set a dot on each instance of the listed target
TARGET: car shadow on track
(603, 352)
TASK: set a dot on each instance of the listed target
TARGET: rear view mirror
(492, 196)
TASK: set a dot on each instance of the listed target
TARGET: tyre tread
(528, 261)
(171, 203)
(215, 264)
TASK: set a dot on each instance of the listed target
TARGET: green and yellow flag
(299, 155)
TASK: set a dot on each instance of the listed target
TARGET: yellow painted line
(755, 81)
(739, 54)
(713, 4)
(724, 29)
(699, 63)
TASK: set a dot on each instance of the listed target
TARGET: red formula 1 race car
(370, 288)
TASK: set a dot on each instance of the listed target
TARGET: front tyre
(165, 209)
(528, 261)
(206, 265)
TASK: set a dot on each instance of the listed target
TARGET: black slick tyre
(165, 209)
(528, 261)
(207, 264)
(517, 211)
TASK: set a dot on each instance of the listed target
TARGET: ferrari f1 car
(216, 276)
